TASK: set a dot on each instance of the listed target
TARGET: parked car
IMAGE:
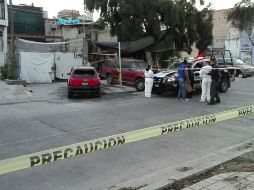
(132, 72)
(166, 81)
(242, 69)
(83, 80)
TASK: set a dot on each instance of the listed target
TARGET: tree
(68, 14)
(204, 29)
(242, 18)
(131, 20)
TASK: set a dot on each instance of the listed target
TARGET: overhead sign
(67, 22)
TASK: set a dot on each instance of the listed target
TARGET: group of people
(210, 75)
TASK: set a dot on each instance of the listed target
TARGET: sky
(54, 6)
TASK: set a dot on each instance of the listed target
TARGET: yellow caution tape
(52, 155)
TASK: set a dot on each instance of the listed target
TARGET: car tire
(110, 79)
(140, 84)
(238, 73)
(70, 94)
(224, 85)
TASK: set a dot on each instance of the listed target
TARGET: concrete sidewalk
(116, 88)
(165, 178)
(226, 181)
(11, 94)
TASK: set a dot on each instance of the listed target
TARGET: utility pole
(84, 62)
(120, 64)
(12, 66)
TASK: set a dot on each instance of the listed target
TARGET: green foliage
(7, 71)
(166, 58)
(204, 29)
(242, 16)
(101, 24)
(132, 20)
(4, 71)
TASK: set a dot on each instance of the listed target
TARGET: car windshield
(84, 73)
(238, 62)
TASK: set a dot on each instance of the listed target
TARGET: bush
(7, 71)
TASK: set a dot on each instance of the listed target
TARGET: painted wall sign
(66, 22)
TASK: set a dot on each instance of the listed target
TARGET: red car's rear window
(81, 73)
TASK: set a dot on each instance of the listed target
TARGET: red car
(132, 72)
(84, 80)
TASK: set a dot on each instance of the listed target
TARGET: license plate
(156, 85)
(84, 83)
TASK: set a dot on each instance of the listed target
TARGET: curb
(167, 177)
(11, 101)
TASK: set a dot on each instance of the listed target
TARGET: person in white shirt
(148, 81)
(206, 82)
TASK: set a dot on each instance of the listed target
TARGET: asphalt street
(37, 126)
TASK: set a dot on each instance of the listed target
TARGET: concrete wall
(75, 45)
(232, 42)
(220, 27)
(69, 33)
(247, 50)
(104, 36)
(51, 28)
(240, 46)
(4, 25)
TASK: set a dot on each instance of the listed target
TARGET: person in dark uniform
(190, 80)
(215, 75)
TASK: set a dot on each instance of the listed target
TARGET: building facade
(79, 33)
(220, 27)
(105, 36)
(240, 45)
(28, 22)
(3, 31)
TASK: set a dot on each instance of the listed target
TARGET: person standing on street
(206, 83)
(182, 73)
(148, 81)
(190, 81)
(215, 75)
